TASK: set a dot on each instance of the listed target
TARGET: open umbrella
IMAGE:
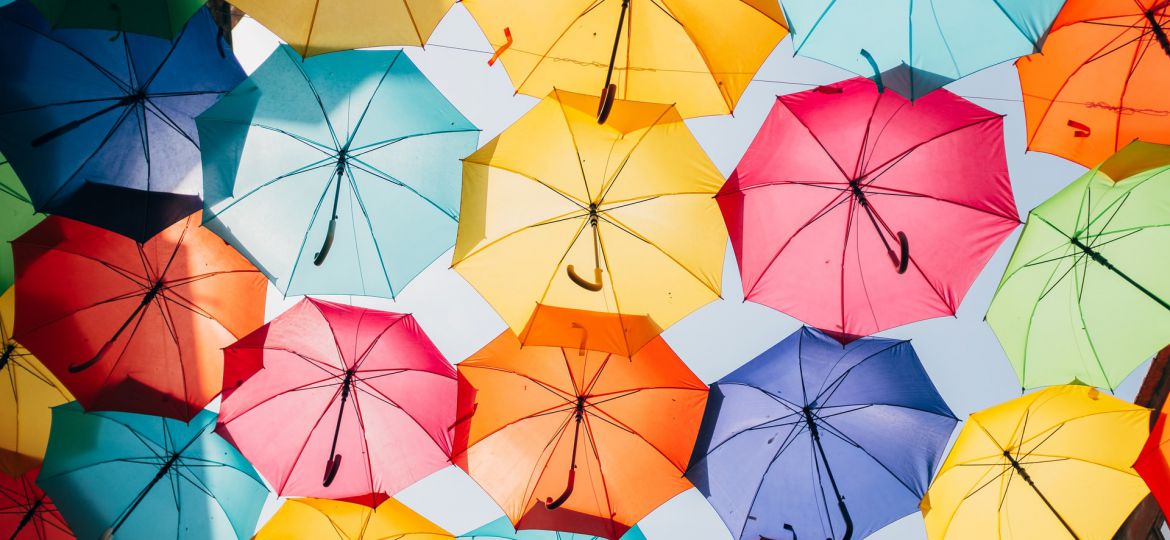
(26, 513)
(164, 19)
(575, 440)
(337, 174)
(560, 211)
(699, 56)
(102, 131)
(856, 211)
(16, 216)
(502, 529)
(1153, 464)
(1051, 464)
(1086, 294)
(122, 475)
(336, 401)
(1101, 81)
(134, 327)
(915, 47)
(323, 519)
(815, 440)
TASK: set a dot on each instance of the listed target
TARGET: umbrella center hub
(138, 96)
(593, 213)
(579, 409)
(855, 188)
(7, 354)
(153, 292)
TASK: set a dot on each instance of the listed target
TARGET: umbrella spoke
(319, 164)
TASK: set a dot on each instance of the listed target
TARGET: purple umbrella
(815, 440)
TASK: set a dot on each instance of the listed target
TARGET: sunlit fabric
(323, 519)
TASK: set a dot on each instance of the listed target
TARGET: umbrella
(1101, 80)
(575, 440)
(1086, 294)
(855, 211)
(698, 55)
(27, 393)
(815, 440)
(914, 47)
(102, 131)
(1153, 464)
(337, 401)
(1051, 464)
(337, 174)
(323, 519)
(16, 216)
(26, 513)
(501, 529)
(134, 327)
(123, 475)
(618, 218)
(164, 19)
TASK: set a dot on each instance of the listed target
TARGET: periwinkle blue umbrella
(816, 440)
(99, 126)
(337, 174)
(502, 529)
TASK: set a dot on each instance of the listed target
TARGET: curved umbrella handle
(845, 517)
(789, 528)
(554, 504)
(583, 283)
(877, 73)
(331, 468)
(78, 368)
(901, 262)
(606, 103)
(319, 258)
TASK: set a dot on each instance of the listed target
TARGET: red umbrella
(1153, 464)
(26, 513)
(134, 327)
(855, 210)
(336, 401)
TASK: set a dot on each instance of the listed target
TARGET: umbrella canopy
(337, 401)
(323, 519)
(337, 174)
(668, 51)
(855, 211)
(163, 19)
(1086, 294)
(556, 192)
(502, 529)
(16, 216)
(836, 441)
(27, 393)
(1051, 464)
(134, 327)
(102, 131)
(917, 47)
(149, 477)
(576, 440)
(26, 513)
(1153, 464)
(1101, 80)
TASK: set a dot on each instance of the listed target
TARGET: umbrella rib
(569, 398)
(383, 397)
(166, 58)
(710, 69)
(386, 143)
(574, 214)
(313, 89)
(180, 282)
(561, 261)
(361, 359)
(159, 113)
(607, 187)
(622, 227)
(601, 472)
(832, 430)
(373, 94)
(101, 145)
(600, 414)
(566, 196)
(836, 382)
(833, 204)
(813, 28)
(789, 440)
(97, 67)
(576, 149)
(125, 296)
(366, 167)
(293, 466)
(307, 168)
(357, 408)
(370, 226)
(1084, 274)
(305, 240)
(556, 41)
(506, 425)
(538, 471)
(311, 385)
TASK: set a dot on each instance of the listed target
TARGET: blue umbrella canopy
(102, 130)
(338, 174)
(813, 439)
(124, 475)
(502, 529)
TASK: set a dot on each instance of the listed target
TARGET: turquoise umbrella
(16, 216)
(501, 529)
(338, 174)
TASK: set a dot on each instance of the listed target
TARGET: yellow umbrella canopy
(698, 54)
(324, 519)
(27, 391)
(618, 218)
(1056, 463)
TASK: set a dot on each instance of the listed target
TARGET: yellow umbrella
(563, 212)
(698, 54)
(27, 391)
(324, 519)
(1052, 464)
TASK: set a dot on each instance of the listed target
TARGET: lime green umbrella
(16, 216)
(1086, 294)
(161, 18)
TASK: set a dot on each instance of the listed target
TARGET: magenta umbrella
(855, 210)
(339, 402)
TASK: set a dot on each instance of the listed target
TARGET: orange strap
(504, 47)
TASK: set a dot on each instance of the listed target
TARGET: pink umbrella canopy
(340, 402)
(855, 210)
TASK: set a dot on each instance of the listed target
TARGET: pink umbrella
(340, 402)
(856, 211)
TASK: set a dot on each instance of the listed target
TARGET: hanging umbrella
(148, 477)
(699, 56)
(501, 529)
(855, 211)
(164, 19)
(102, 131)
(323, 519)
(914, 47)
(335, 175)
(618, 218)
(1051, 464)
(27, 393)
(134, 327)
(1153, 464)
(575, 440)
(815, 440)
(1086, 294)
(336, 401)
(26, 513)
(611, 332)
(16, 216)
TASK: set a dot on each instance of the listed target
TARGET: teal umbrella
(338, 174)
(16, 217)
(502, 529)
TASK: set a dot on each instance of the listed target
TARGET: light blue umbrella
(501, 529)
(338, 174)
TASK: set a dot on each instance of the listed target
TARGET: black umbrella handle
(820, 450)
(1159, 32)
(319, 258)
(146, 300)
(609, 90)
(28, 516)
(331, 468)
(554, 504)
(334, 462)
(579, 413)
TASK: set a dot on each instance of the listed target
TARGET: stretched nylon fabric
(363, 128)
(525, 213)
(669, 51)
(1059, 313)
(935, 170)
(164, 19)
(323, 519)
(501, 529)
(1100, 82)
(918, 45)
(1153, 464)
(20, 497)
(1077, 446)
(282, 398)
(16, 216)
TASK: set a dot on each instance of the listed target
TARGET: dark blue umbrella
(814, 440)
(100, 126)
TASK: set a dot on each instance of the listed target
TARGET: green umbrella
(16, 216)
(1086, 294)
(162, 18)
